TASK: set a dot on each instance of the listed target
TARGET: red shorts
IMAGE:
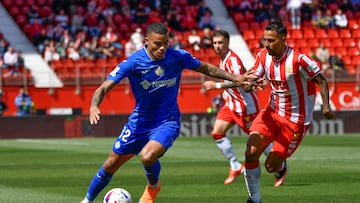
(244, 121)
(286, 135)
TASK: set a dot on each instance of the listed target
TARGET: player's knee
(217, 136)
(148, 159)
(251, 154)
(270, 168)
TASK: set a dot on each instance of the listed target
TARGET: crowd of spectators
(115, 28)
(91, 29)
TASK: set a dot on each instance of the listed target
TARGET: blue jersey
(155, 85)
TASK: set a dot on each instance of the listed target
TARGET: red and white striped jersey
(292, 90)
(237, 99)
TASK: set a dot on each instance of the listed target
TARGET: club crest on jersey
(296, 135)
(289, 69)
(159, 71)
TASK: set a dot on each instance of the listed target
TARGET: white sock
(225, 146)
(252, 181)
(86, 201)
(268, 149)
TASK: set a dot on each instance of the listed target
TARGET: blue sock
(98, 183)
(152, 173)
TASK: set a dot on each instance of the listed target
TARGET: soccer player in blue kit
(154, 73)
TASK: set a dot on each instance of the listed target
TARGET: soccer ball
(117, 195)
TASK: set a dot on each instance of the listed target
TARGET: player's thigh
(289, 138)
(256, 144)
(221, 126)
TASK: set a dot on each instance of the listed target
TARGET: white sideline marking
(56, 142)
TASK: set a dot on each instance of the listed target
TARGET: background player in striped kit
(287, 116)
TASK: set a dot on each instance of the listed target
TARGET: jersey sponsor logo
(161, 83)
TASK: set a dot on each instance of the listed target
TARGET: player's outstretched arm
(213, 71)
(324, 91)
(97, 98)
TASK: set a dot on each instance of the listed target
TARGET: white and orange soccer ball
(117, 195)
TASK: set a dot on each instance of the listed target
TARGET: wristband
(218, 85)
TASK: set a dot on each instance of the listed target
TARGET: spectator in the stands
(86, 51)
(107, 49)
(194, 40)
(92, 23)
(175, 43)
(340, 19)
(72, 52)
(3, 47)
(206, 40)
(40, 40)
(112, 37)
(138, 38)
(202, 10)
(323, 55)
(107, 14)
(62, 18)
(77, 21)
(141, 13)
(245, 5)
(277, 5)
(175, 21)
(294, 7)
(260, 11)
(35, 28)
(207, 21)
(50, 52)
(130, 48)
(319, 20)
(11, 61)
(125, 10)
(33, 13)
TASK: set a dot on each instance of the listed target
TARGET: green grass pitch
(323, 169)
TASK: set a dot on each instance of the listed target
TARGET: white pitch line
(55, 142)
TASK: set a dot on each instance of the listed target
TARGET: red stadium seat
(248, 34)
(243, 25)
(336, 42)
(308, 33)
(321, 34)
(14, 11)
(296, 34)
(313, 43)
(301, 43)
(349, 42)
(326, 42)
(345, 33)
(353, 24)
(238, 17)
(353, 51)
(341, 50)
(333, 33)
(355, 33)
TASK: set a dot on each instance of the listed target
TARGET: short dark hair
(157, 27)
(223, 33)
(277, 26)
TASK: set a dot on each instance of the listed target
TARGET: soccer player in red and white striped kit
(293, 77)
(241, 106)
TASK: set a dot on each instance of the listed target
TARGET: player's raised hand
(209, 85)
(94, 115)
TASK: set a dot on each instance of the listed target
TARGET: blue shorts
(131, 142)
